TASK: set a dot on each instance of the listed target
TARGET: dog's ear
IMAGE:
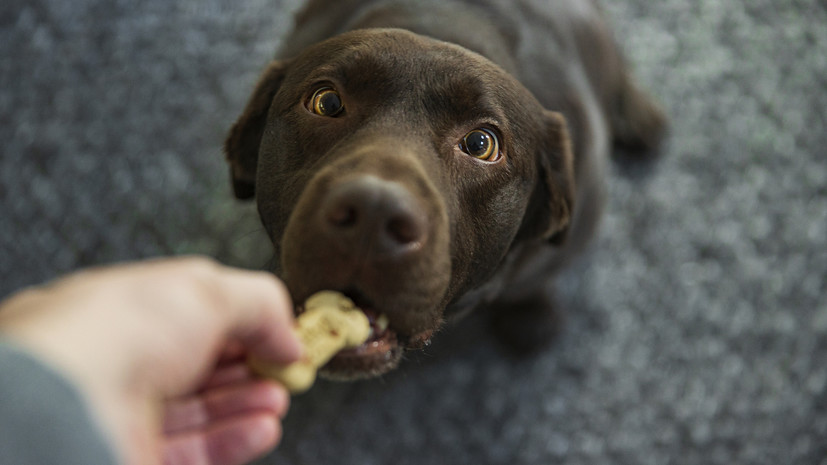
(243, 141)
(552, 202)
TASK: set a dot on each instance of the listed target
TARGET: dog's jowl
(428, 158)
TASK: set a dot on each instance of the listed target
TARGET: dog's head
(399, 170)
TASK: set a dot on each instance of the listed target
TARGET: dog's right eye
(326, 102)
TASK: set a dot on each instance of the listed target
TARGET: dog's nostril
(404, 230)
(343, 216)
(372, 217)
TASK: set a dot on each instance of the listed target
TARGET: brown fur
(545, 75)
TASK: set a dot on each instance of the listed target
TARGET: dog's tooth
(382, 322)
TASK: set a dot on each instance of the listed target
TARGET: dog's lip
(382, 338)
(381, 352)
(383, 349)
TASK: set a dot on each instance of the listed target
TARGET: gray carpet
(696, 326)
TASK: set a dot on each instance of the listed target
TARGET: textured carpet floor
(697, 325)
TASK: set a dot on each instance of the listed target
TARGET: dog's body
(428, 157)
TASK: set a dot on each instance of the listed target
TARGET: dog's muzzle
(375, 228)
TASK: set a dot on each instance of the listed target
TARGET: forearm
(43, 418)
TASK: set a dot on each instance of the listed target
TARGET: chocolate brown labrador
(430, 157)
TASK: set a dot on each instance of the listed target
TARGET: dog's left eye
(482, 144)
(326, 102)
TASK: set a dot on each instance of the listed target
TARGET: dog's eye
(482, 144)
(326, 102)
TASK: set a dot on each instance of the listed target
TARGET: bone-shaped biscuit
(330, 322)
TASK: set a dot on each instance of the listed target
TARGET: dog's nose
(374, 218)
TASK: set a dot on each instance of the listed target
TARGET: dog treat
(330, 322)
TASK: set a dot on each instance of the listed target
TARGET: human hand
(157, 350)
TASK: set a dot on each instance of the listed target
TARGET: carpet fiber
(696, 326)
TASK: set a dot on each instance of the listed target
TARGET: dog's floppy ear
(552, 202)
(244, 139)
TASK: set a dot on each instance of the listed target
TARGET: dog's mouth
(381, 352)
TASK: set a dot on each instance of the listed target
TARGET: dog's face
(399, 170)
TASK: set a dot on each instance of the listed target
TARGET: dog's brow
(462, 99)
(356, 71)
(329, 71)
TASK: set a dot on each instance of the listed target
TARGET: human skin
(157, 350)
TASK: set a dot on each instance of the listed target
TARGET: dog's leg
(638, 123)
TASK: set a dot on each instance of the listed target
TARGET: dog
(427, 158)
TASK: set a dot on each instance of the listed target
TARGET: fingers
(225, 426)
(259, 313)
(225, 402)
(253, 309)
(230, 442)
(233, 351)
(226, 374)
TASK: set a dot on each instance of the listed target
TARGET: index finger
(258, 313)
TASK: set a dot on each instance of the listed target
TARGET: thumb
(258, 312)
